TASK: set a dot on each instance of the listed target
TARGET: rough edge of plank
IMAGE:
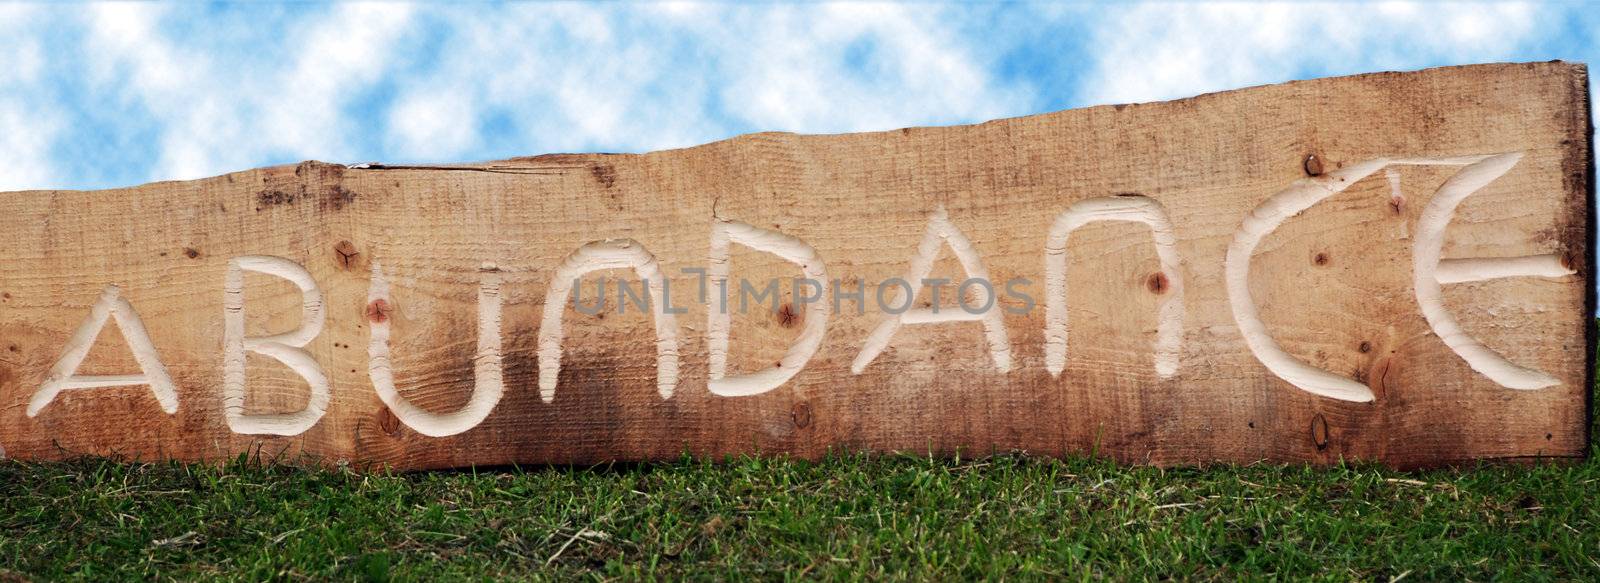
(1591, 293)
(556, 160)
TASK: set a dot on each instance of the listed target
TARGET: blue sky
(104, 95)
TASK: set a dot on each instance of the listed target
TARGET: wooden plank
(1172, 287)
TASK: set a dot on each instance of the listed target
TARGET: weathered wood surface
(1339, 287)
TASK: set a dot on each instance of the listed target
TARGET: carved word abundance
(1430, 272)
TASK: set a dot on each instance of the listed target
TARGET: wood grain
(1333, 286)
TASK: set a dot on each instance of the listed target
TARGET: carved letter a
(64, 375)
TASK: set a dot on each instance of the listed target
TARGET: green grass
(848, 516)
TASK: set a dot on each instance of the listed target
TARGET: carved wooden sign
(1393, 266)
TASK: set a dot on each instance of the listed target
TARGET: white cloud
(29, 125)
(575, 77)
(433, 124)
(435, 83)
(133, 61)
(558, 77)
(24, 60)
(219, 115)
(792, 69)
(339, 56)
(1163, 51)
(26, 137)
